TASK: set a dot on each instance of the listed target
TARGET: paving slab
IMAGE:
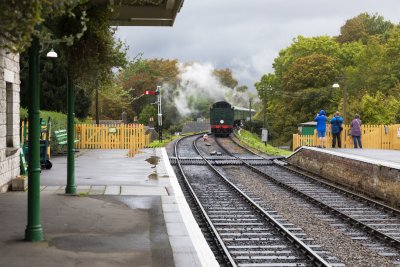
(143, 190)
(97, 190)
(86, 231)
(113, 190)
(82, 189)
(51, 188)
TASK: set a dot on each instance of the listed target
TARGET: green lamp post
(70, 189)
(34, 230)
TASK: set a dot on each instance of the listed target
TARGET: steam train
(224, 117)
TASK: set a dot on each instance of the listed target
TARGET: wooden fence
(373, 136)
(118, 136)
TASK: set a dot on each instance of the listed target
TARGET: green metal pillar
(71, 187)
(34, 230)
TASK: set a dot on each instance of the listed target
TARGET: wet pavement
(105, 167)
(86, 231)
(376, 156)
(128, 211)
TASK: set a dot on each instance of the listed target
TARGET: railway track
(245, 233)
(377, 226)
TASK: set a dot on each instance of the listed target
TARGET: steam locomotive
(224, 117)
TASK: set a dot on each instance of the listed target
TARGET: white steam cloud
(197, 83)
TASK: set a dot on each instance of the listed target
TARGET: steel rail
(367, 200)
(308, 252)
(228, 257)
(386, 238)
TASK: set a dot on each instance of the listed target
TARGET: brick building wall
(9, 117)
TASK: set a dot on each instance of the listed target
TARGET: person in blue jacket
(321, 127)
(336, 123)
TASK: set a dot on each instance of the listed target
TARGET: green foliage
(363, 59)
(225, 77)
(254, 141)
(313, 71)
(164, 142)
(149, 111)
(113, 101)
(301, 47)
(58, 122)
(142, 75)
(175, 128)
(88, 61)
(91, 58)
(379, 109)
(53, 93)
(20, 18)
(363, 26)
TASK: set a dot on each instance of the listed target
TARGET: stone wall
(9, 117)
(374, 180)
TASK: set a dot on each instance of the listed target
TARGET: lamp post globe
(52, 53)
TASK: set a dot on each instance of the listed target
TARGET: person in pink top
(355, 128)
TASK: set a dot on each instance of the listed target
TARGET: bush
(254, 127)
(58, 122)
(254, 141)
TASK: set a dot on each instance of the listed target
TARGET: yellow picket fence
(118, 136)
(373, 136)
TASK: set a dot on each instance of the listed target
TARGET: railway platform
(130, 211)
(374, 172)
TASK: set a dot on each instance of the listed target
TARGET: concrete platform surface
(131, 212)
(86, 231)
(389, 158)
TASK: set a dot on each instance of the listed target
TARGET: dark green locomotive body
(221, 118)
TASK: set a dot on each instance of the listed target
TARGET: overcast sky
(246, 35)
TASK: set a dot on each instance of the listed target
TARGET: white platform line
(203, 251)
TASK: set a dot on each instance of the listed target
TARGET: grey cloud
(246, 35)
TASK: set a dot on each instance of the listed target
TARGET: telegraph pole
(159, 113)
(250, 114)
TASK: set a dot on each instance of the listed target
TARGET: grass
(164, 142)
(254, 141)
(168, 139)
(58, 122)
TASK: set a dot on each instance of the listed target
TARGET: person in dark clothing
(321, 127)
(336, 127)
(355, 128)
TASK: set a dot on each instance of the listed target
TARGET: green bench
(61, 137)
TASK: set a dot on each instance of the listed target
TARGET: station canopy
(143, 12)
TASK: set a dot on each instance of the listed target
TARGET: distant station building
(307, 128)
(9, 117)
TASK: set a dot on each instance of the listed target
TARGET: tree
(302, 47)
(88, 61)
(380, 109)
(313, 71)
(362, 26)
(19, 20)
(225, 77)
(142, 75)
(148, 112)
(113, 101)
